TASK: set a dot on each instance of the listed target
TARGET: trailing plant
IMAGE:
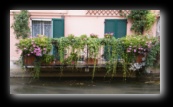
(20, 25)
(153, 54)
(141, 20)
(39, 47)
(123, 50)
(47, 58)
(93, 45)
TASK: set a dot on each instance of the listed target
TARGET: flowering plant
(136, 66)
(137, 44)
(93, 35)
(108, 35)
(37, 46)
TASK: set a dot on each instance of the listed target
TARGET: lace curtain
(41, 27)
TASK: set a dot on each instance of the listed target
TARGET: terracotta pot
(29, 60)
(48, 64)
(139, 58)
(90, 61)
(58, 63)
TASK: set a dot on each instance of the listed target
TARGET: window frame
(42, 19)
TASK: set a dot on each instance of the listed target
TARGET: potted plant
(47, 60)
(34, 51)
(93, 46)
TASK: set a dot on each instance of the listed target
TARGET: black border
(86, 5)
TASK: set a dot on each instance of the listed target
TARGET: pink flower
(44, 48)
(134, 50)
(128, 50)
(24, 48)
(28, 54)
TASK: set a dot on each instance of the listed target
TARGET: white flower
(136, 66)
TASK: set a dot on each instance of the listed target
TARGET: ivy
(153, 54)
(141, 20)
(20, 25)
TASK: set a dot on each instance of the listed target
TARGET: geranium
(108, 35)
(36, 46)
(93, 35)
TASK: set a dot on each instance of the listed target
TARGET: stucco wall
(79, 25)
(13, 54)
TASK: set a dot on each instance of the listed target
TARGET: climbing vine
(20, 25)
(141, 20)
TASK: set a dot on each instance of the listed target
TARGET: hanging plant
(20, 25)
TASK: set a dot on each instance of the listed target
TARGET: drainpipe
(87, 68)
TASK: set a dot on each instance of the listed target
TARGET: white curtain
(41, 27)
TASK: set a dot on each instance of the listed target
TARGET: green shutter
(121, 28)
(58, 31)
(58, 28)
(116, 26)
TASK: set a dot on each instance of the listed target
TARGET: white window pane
(41, 27)
(47, 28)
(36, 28)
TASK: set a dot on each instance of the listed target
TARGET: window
(53, 28)
(41, 27)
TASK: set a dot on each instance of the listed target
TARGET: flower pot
(48, 64)
(29, 60)
(139, 58)
(58, 63)
(90, 61)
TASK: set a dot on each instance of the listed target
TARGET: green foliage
(20, 25)
(141, 20)
(47, 58)
(30, 46)
(153, 54)
(121, 50)
(150, 19)
(93, 45)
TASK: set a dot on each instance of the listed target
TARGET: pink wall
(86, 25)
(13, 54)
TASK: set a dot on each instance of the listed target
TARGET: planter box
(48, 64)
(29, 60)
(90, 61)
(139, 58)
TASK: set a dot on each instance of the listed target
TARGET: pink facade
(75, 22)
